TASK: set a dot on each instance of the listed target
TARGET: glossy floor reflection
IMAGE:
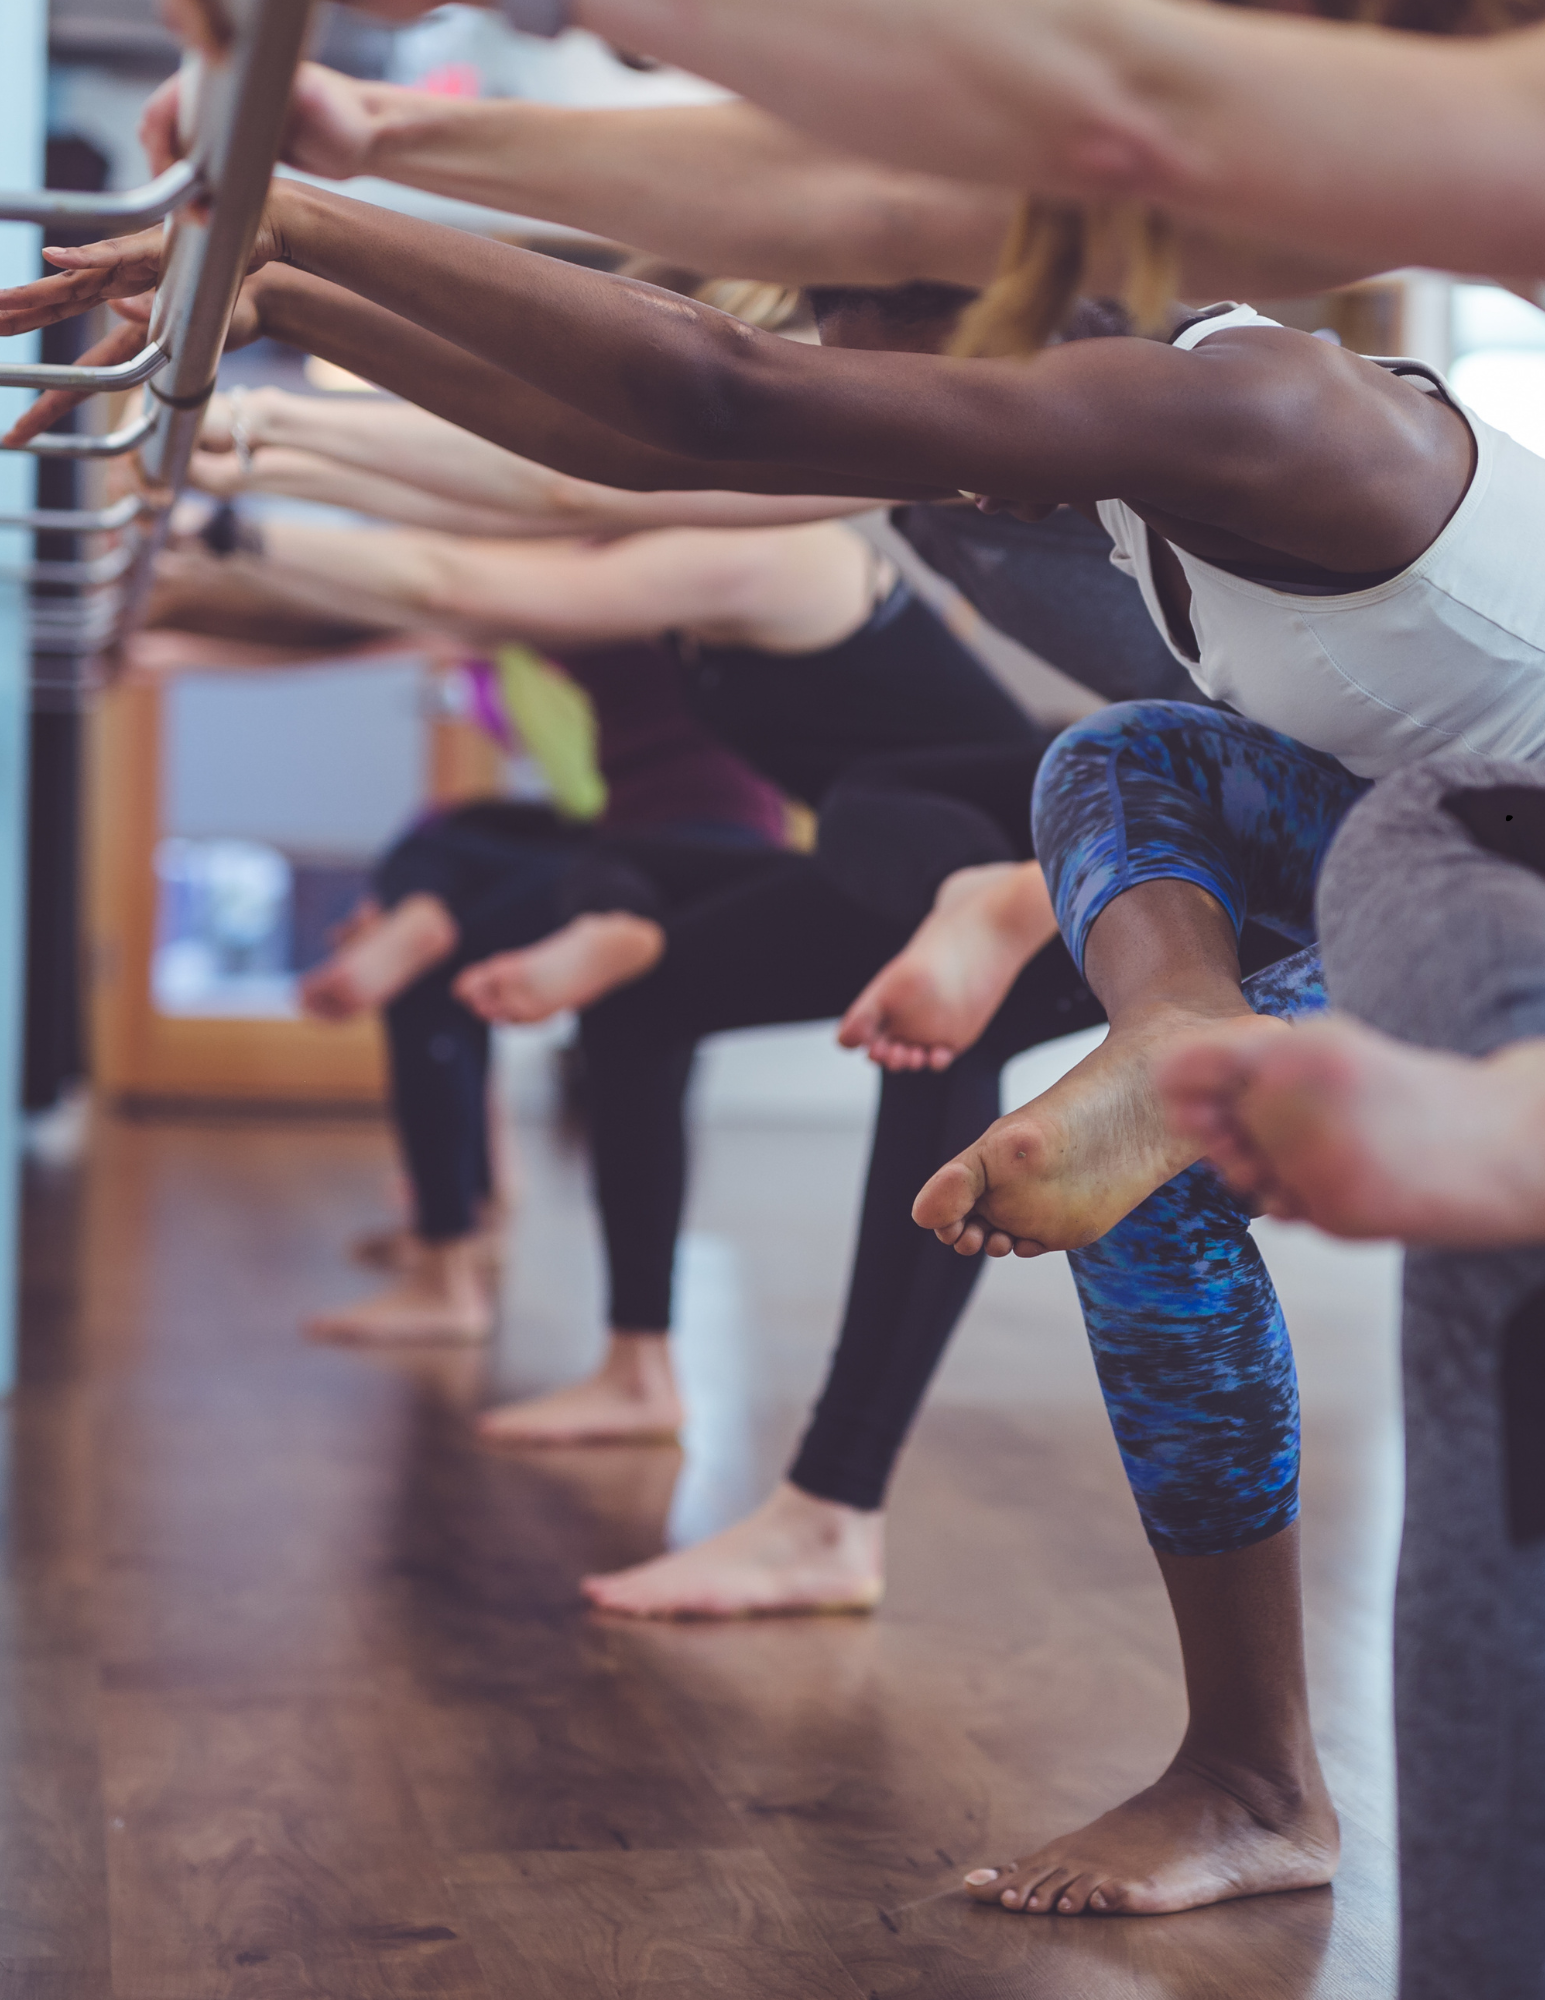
(297, 1695)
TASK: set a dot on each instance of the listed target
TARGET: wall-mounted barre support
(239, 100)
(77, 520)
(89, 573)
(123, 213)
(98, 378)
(80, 444)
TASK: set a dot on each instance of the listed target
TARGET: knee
(1080, 758)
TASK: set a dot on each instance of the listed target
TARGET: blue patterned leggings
(1188, 1336)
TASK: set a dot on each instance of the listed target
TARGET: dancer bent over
(1374, 670)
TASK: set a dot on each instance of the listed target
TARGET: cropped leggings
(1188, 1335)
(796, 944)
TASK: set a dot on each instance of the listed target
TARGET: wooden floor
(297, 1699)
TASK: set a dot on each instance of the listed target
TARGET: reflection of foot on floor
(795, 1553)
(1065, 1168)
(574, 967)
(1338, 1125)
(382, 958)
(936, 996)
(631, 1399)
(444, 1295)
(1190, 1839)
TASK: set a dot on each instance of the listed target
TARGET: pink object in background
(452, 79)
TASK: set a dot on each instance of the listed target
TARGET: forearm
(401, 442)
(400, 572)
(1381, 147)
(723, 188)
(463, 281)
(557, 596)
(398, 461)
(278, 471)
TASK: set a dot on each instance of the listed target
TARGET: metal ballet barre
(131, 210)
(234, 106)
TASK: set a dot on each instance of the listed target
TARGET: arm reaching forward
(1271, 438)
(718, 187)
(399, 461)
(1386, 148)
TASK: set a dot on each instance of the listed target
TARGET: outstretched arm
(1387, 148)
(782, 589)
(723, 188)
(1233, 435)
(385, 458)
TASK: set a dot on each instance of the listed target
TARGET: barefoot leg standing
(1242, 1808)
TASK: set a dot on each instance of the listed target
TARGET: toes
(1074, 1897)
(980, 1885)
(860, 1025)
(969, 1242)
(1026, 1246)
(1039, 1896)
(950, 1195)
(996, 1243)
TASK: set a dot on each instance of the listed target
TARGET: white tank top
(1449, 653)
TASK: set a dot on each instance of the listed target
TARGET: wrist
(393, 118)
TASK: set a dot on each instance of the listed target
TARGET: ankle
(1157, 1017)
(639, 1364)
(1280, 1783)
(830, 1523)
(428, 924)
(449, 1265)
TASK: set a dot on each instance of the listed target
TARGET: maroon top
(661, 765)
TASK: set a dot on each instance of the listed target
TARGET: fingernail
(980, 1877)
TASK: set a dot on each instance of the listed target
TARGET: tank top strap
(1219, 319)
(1399, 364)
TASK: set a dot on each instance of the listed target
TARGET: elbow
(731, 404)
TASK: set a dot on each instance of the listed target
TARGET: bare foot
(443, 1296)
(631, 1399)
(937, 995)
(795, 1553)
(1065, 1168)
(574, 967)
(380, 959)
(1338, 1125)
(1188, 1840)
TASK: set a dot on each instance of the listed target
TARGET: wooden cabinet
(142, 1050)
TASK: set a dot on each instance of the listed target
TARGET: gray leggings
(1435, 938)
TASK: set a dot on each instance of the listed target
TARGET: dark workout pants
(792, 946)
(496, 867)
(795, 943)
(1433, 935)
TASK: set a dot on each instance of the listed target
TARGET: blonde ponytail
(1041, 273)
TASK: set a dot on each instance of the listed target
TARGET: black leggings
(791, 942)
(497, 868)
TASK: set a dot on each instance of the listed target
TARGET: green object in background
(557, 724)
